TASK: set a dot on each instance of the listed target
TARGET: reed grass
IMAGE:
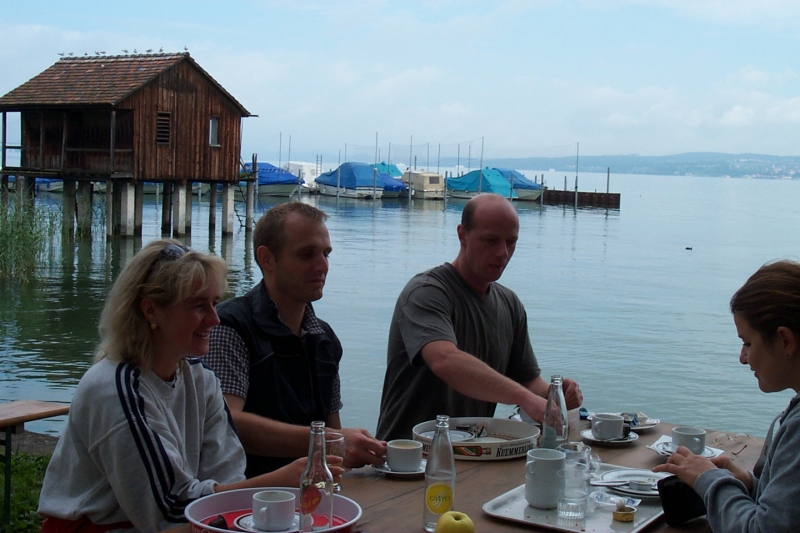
(25, 231)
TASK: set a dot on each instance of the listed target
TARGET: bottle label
(439, 498)
(309, 500)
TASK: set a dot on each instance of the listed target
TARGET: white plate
(389, 472)
(456, 435)
(586, 434)
(634, 475)
(245, 523)
(668, 448)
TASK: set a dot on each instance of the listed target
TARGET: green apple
(454, 522)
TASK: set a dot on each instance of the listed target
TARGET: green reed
(25, 230)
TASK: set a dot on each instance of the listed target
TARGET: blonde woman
(766, 311)
(149, 430)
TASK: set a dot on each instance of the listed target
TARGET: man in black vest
(278, 364)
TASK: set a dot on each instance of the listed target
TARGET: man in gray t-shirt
(458, 342)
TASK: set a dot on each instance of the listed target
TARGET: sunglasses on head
(171, 252)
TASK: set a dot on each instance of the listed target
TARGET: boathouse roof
(98, 81)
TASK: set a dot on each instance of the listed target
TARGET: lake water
(615, 298)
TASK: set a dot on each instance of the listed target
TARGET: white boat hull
(528, 194)
(278, 189)
(358, 192)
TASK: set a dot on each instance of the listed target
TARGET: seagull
(72, 53)
(96, 53)
(102, 52)
(149, 50)
(134, 50)
(61, 54)
(186, 48)
(86, 53)
(124, 51)
(160, 49)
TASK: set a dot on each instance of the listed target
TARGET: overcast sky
(529, 78)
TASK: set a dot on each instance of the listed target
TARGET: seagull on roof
(186, 48)
(134, 50)
(86, 53)
(72, 53)
(124, 51)
(149, 50)
(61, 54)
(96, 53)
(102, 52)
(160, 49)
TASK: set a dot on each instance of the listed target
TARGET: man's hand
(686, 465)
(572, 393)
(362, 448)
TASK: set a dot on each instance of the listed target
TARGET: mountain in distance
(709, 164)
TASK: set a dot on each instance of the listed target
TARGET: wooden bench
(13, 416)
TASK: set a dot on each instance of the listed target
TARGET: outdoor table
(13, 416)
(395, 504)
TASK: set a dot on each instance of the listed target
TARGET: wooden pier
(585, 199)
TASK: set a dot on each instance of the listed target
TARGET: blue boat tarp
(517, 179)
(391, 184)
(490, 181)
(390, 169)
(352, 175)
(271, 175)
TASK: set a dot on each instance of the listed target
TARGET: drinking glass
(573, 491)
(335, 445)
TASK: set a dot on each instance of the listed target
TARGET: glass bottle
(316, 484)
(440, 475)
(555, 425)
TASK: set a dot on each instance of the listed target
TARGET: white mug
(273, 510)
(541, 477)
(606, 426)
(404, 455)
(692, 438)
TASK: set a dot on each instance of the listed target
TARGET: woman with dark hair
(149, 431)
(766, 311)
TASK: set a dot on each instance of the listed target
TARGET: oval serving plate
(500, 438)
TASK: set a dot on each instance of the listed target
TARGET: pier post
(109, 209)
(188, 213)
(68, 219)
(212, 207)
(166, 207)
(138, 207)
(84, 210)
(179, 209)
(250, 200)
(227, 209)
(127, 207)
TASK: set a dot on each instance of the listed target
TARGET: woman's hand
(686, 465)
(724, 461)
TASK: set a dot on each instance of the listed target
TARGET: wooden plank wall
(191, 99)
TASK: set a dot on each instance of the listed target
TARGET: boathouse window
(213, 127)
(163, 128)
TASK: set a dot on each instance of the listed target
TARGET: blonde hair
(166, 279)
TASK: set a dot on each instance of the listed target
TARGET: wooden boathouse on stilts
(123, 121)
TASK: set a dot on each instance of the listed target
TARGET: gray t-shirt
(439, 305)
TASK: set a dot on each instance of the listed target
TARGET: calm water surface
(614, 297)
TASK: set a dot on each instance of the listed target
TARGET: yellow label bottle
(440, 476)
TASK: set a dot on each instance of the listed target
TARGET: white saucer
(586, 434)
(634, 475)
(650, 423)
(245, 523)
(667, 448)
(456, 435)
(389, 472)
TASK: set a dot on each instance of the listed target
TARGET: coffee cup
(692, 438)
(404, 455)
(542, 485)
(606, 426)
(273, 510)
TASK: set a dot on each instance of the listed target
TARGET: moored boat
(525, 188)
(424, 185)
(478, 181)
(351, 180)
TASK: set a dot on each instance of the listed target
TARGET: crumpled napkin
(660, 449)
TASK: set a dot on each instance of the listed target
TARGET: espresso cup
(273, 510)
(542, 484)
(692, 438)
(606, 426)
(404, 455)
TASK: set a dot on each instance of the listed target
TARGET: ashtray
(624, 514)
